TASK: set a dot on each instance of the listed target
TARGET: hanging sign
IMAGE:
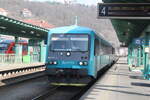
(124, 10)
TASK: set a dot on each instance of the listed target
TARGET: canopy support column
(43, 51)
(18, 51)
(146, 58)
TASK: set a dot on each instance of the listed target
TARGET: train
(75, 55)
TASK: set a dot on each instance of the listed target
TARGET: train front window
(69, 42)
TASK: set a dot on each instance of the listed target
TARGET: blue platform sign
(141, 41)
(137, 41)
(124, 10)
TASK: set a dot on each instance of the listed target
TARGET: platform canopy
(13, 27)
(129, 28)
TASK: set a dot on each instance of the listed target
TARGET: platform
(5, 66)
(119, 84)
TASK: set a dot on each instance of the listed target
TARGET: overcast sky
(87, 2)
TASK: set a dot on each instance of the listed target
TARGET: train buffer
(119, 84)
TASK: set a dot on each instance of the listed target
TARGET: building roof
(40, 23)
(2, 10)
(71, 29)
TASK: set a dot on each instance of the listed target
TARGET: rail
(14, 71)
(9, 58)
(46, 93)
(63, 93)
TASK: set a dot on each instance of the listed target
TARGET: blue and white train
(75, 55)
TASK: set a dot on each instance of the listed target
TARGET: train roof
(103, 40)
(77, 29)
(71, 29)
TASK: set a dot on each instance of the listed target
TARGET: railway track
(47, 93)
(25, 90)
(9, 77)
(68, 93)
(38, 88)
(59, 93)
(64, 92)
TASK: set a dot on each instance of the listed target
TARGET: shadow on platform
(121, 73)
(140, 84)
(126, 92)
(112, 86)
(122, 63)
(137, 77)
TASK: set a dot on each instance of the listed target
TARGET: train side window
(96, 47)
(103, 49)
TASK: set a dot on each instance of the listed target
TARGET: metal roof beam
(16, 27)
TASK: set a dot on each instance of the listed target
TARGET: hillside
(62, 14)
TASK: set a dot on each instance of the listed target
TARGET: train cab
(70, 55)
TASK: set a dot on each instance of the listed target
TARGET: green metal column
(129, 55)
(134, 56)
(18, 51)
(139, 56)
(143, 54)
(43, 52)
(34, 50)
(146, 62)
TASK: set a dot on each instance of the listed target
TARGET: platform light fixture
(6, 19)
(37, 34)
(23, 31)
(2, 27)
(32, 32)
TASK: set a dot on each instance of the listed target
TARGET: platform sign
(124, 10)
(141, 41)
(137, 41)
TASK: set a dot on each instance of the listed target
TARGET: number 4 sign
(103, 10)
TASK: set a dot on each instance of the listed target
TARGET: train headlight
(85, 63)
(68, 53)
(80, 63)
(50, 62)
(54, 62)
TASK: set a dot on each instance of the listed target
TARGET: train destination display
(124, 10)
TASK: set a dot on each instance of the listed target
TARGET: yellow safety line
(68, 84)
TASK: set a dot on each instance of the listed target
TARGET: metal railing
(12, 58)
(35, 58)
(7, 58)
